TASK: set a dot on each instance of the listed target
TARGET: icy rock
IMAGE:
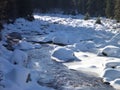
(85, 46)
(12, 40)
(23, 45)
(19, 57)
(37, 46)
(112, 64)
(14, 35)
(62, 54)
(110, 74)
(116, 83)
(111, 51)
(60, 38)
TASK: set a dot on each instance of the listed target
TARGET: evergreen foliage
(98, 21)
(87, 16)
(11, 9)
(3, 7)
(109, 8)
(117, 10)
(24, 8)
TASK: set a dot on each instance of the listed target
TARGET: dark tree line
(11, 9)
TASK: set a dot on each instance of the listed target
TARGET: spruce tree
(117, 10)
(87, 16)
(24, 8)
(91, 7)
(82, 5)
(109, 11)
(100, 8)
(98, 21)
(3, 12)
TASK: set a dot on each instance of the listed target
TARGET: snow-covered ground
(61, 52)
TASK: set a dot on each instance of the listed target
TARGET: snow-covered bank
(91, 48)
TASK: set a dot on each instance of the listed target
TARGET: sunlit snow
(53, 43)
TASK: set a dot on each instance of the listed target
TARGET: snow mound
(111, 51)
(62, 54)
(116, 83)
(85, 46)
(112, 64)
(19, 57)
(60, 38)
(23, 45)
(18, 75)
(55, 37)
(110, 74)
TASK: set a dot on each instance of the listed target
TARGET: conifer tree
(100, 8)
(24, 8)
(98, 21)
(82, 6)
(87, 16)
(91, 7)
(3, 13)
(109, 11)
(117, 10)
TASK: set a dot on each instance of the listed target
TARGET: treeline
(11, 9)
(108, 8)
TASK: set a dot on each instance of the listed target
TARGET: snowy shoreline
(85, 46)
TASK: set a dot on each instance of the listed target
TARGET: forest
(59, 44)
(12, 9)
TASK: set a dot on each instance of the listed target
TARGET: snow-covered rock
(62, 54)
(19, 57)
(110, 51)
(60, 38)
(23, 45)
(80, 35)
(110, 74)
(112, 64)
(85, 46)
(37, 46)
(116, 83)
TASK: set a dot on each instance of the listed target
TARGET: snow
(54, 44)
(111, 51)
(61, 54)
(23, 45)
(19, 57)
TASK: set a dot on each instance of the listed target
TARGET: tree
(117, 10)
(100, 8)
(3, 13)
(87, 16)
(98, 21)
(82, 6)
(24, 8)
(91, 7)
(109, 11)
(96, 7)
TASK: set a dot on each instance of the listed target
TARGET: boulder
(61, 54)
(110, 51)
(12, 40)
(14, 35)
